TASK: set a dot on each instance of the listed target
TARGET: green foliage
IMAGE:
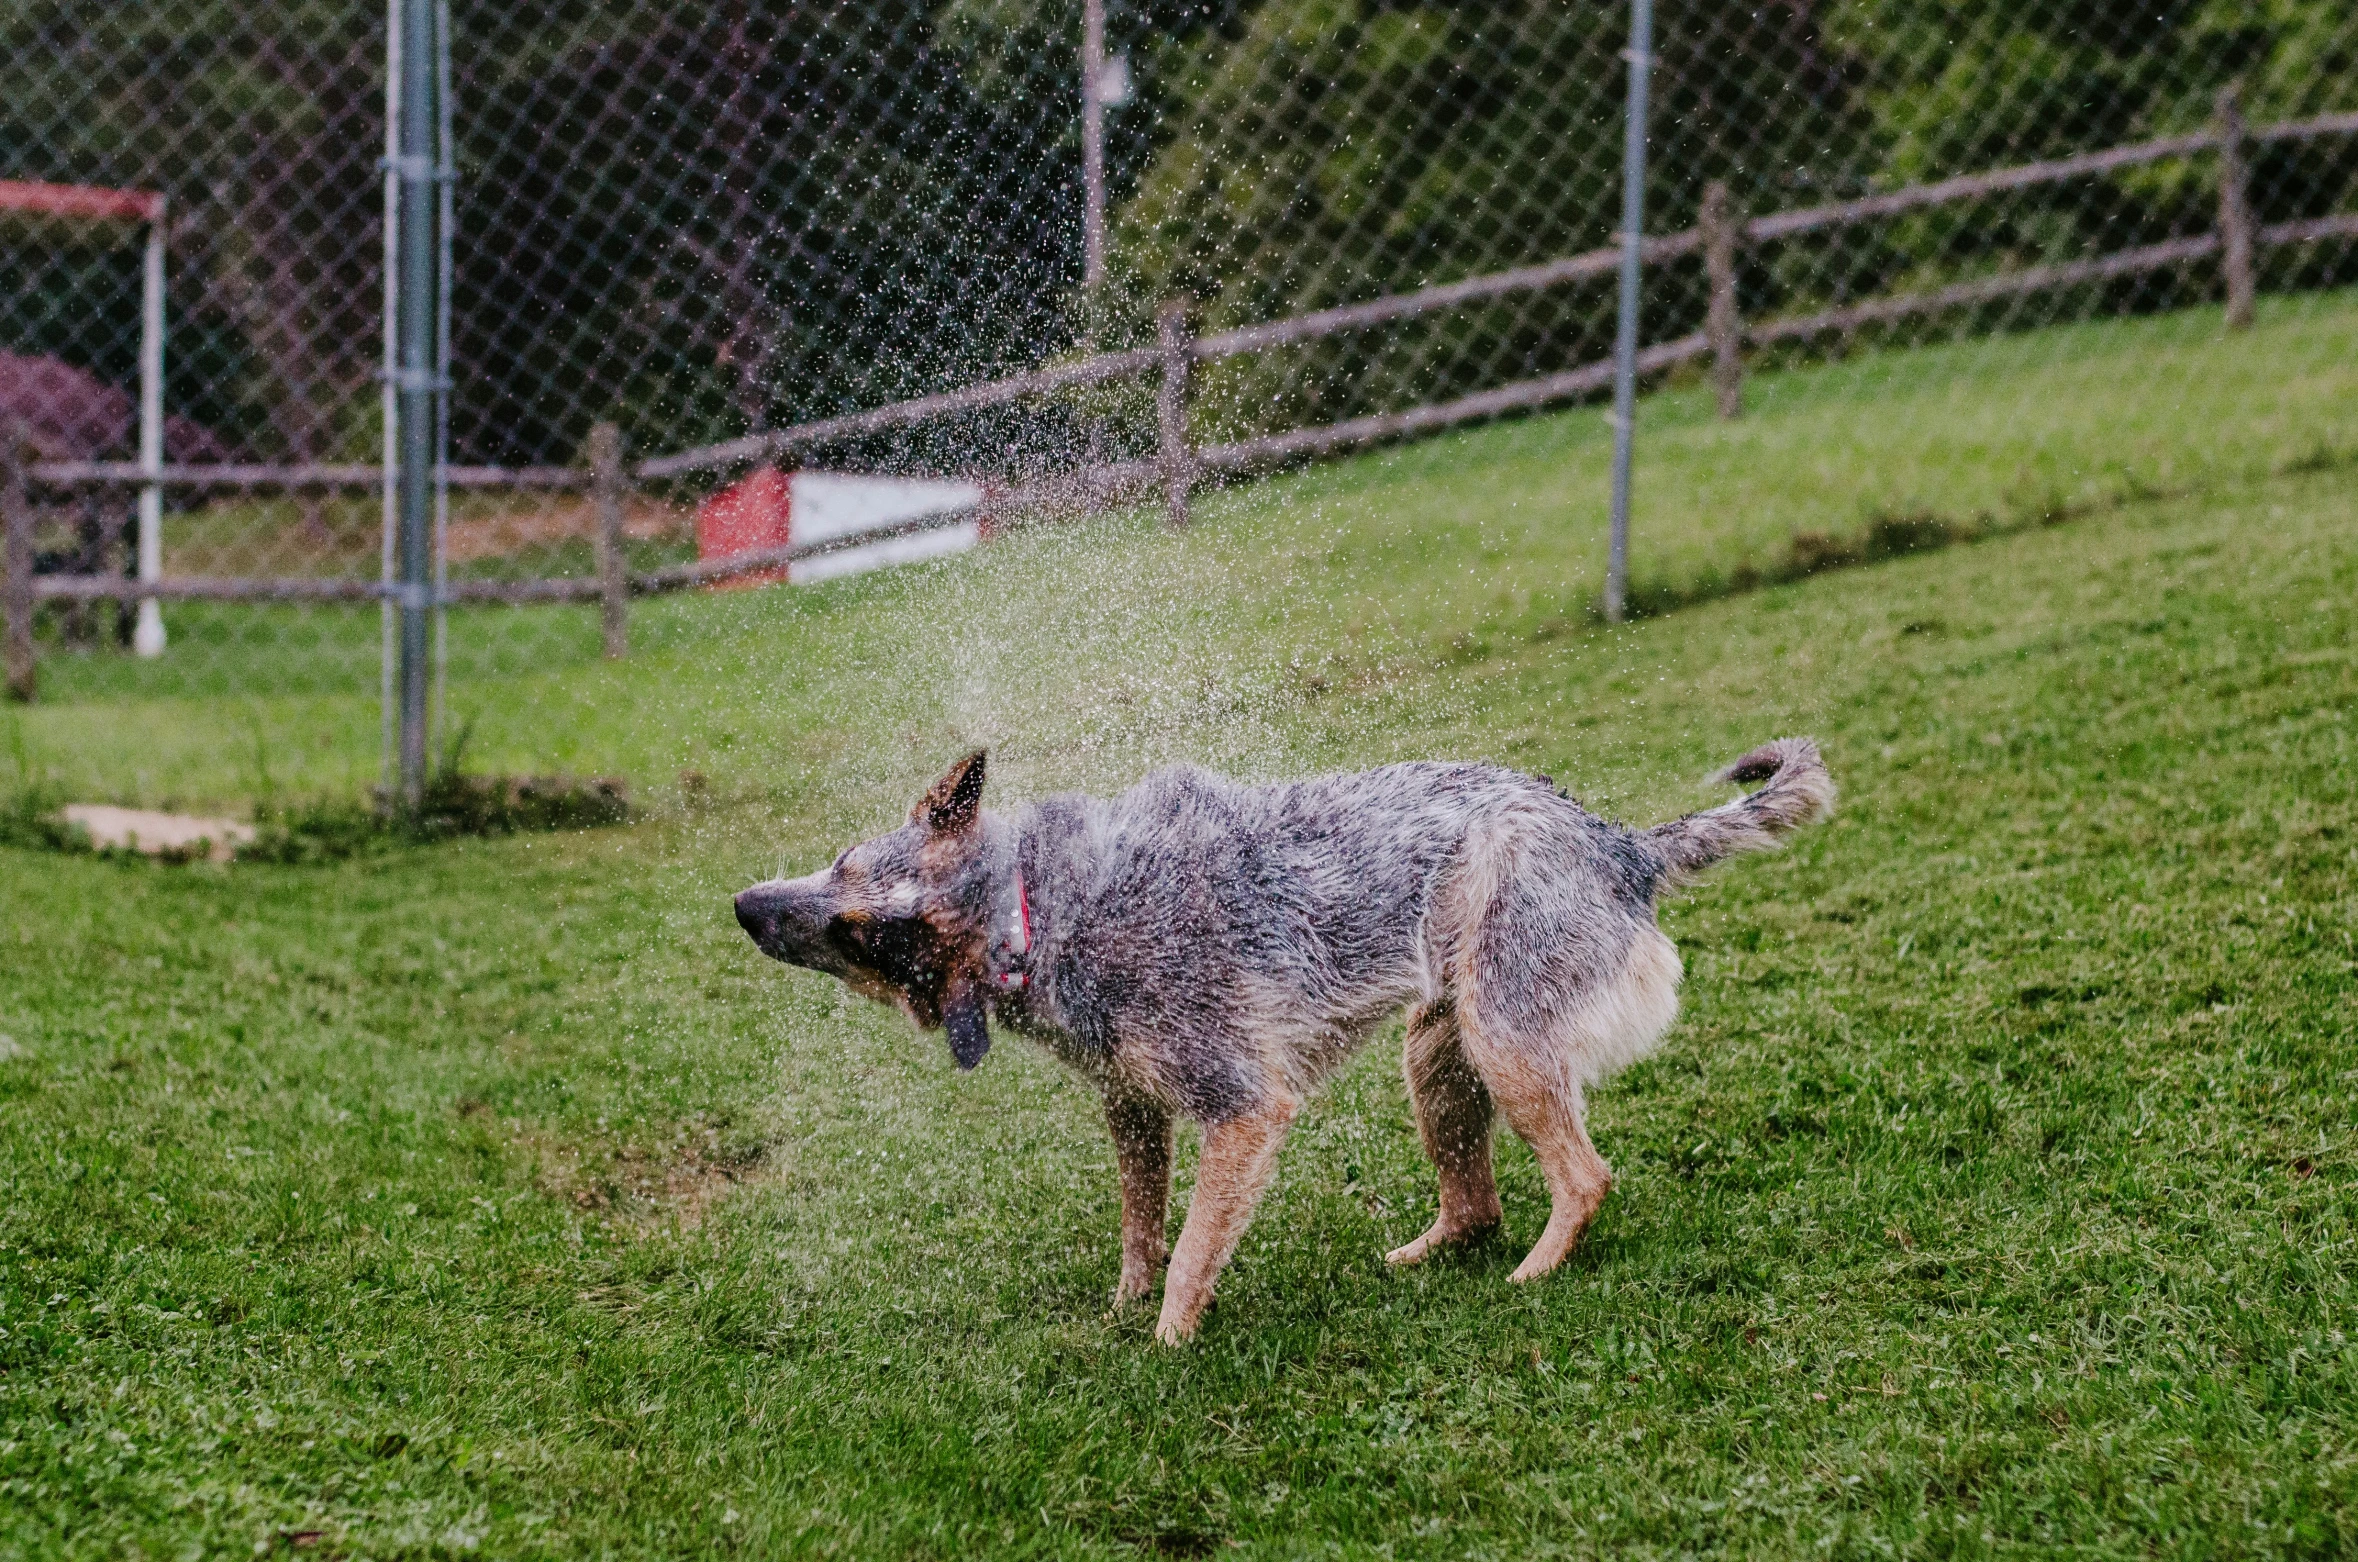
(317, 830)
(1335, 150)
(455, 803)
(30, 821)
(1959, 87)
(1325, 151)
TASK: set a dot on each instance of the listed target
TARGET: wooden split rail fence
(1179, 466)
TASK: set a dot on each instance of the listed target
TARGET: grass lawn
(1993, 1197)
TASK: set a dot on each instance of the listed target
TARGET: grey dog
(1199, 946)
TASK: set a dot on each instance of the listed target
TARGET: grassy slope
(1994, 1196)
(1436, 549)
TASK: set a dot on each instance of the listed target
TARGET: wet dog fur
(1196, 946)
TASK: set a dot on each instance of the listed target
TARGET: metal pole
(1633, 217)
(147, 638)
(445, 156)
(389, 410)
(416, 308)
(1093, 145)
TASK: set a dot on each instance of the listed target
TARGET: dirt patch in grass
(639, 1189)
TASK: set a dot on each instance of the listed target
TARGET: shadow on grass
(1892, 535)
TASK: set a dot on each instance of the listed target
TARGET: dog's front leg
(1142, 1151)
(1239, 1158)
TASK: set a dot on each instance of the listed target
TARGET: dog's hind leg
(1453, 1113)
(1142, 1151)
(1534, 1057)
(1545, 1111)
(1239, 1158)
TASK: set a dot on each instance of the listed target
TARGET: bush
(33, 819)
(455, 803)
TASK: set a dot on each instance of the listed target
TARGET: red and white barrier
(774, 509)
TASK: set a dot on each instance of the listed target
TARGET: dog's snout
(764, 909)
(783, 920)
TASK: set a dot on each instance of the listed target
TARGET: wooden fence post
(606, 490)
(2235, 209)
(1174, 336)
(16, 521)
(1722, 325)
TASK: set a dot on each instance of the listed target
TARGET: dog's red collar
(1018, 973)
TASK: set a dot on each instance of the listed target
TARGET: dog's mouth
(901, 961)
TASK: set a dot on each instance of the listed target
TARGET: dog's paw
(1537, 1266)
(1411, 1252)
(1434, 1240)
(1172, 1331)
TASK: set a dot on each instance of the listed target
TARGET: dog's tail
(1799, 792)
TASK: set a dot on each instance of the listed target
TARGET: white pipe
(147, 638)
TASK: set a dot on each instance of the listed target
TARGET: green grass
(1993, 1198)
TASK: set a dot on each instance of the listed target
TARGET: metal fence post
(1723, 325)
(417, 166)
(1176, 338)
(16, 521)
(1633, 218)
(2235, 209)
(606, 480)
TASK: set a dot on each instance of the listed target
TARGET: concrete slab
(156, 834)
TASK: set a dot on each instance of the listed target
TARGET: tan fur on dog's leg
(1577, 1177)
(1239, 1158)
(1453, 1113)
(1544, 1109)
(1142, 1150)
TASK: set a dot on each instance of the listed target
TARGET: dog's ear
(951, 805)
(963, 1018)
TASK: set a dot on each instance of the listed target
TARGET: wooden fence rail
(566, 588)
(130, 474)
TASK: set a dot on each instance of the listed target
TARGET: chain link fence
(950, 266)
